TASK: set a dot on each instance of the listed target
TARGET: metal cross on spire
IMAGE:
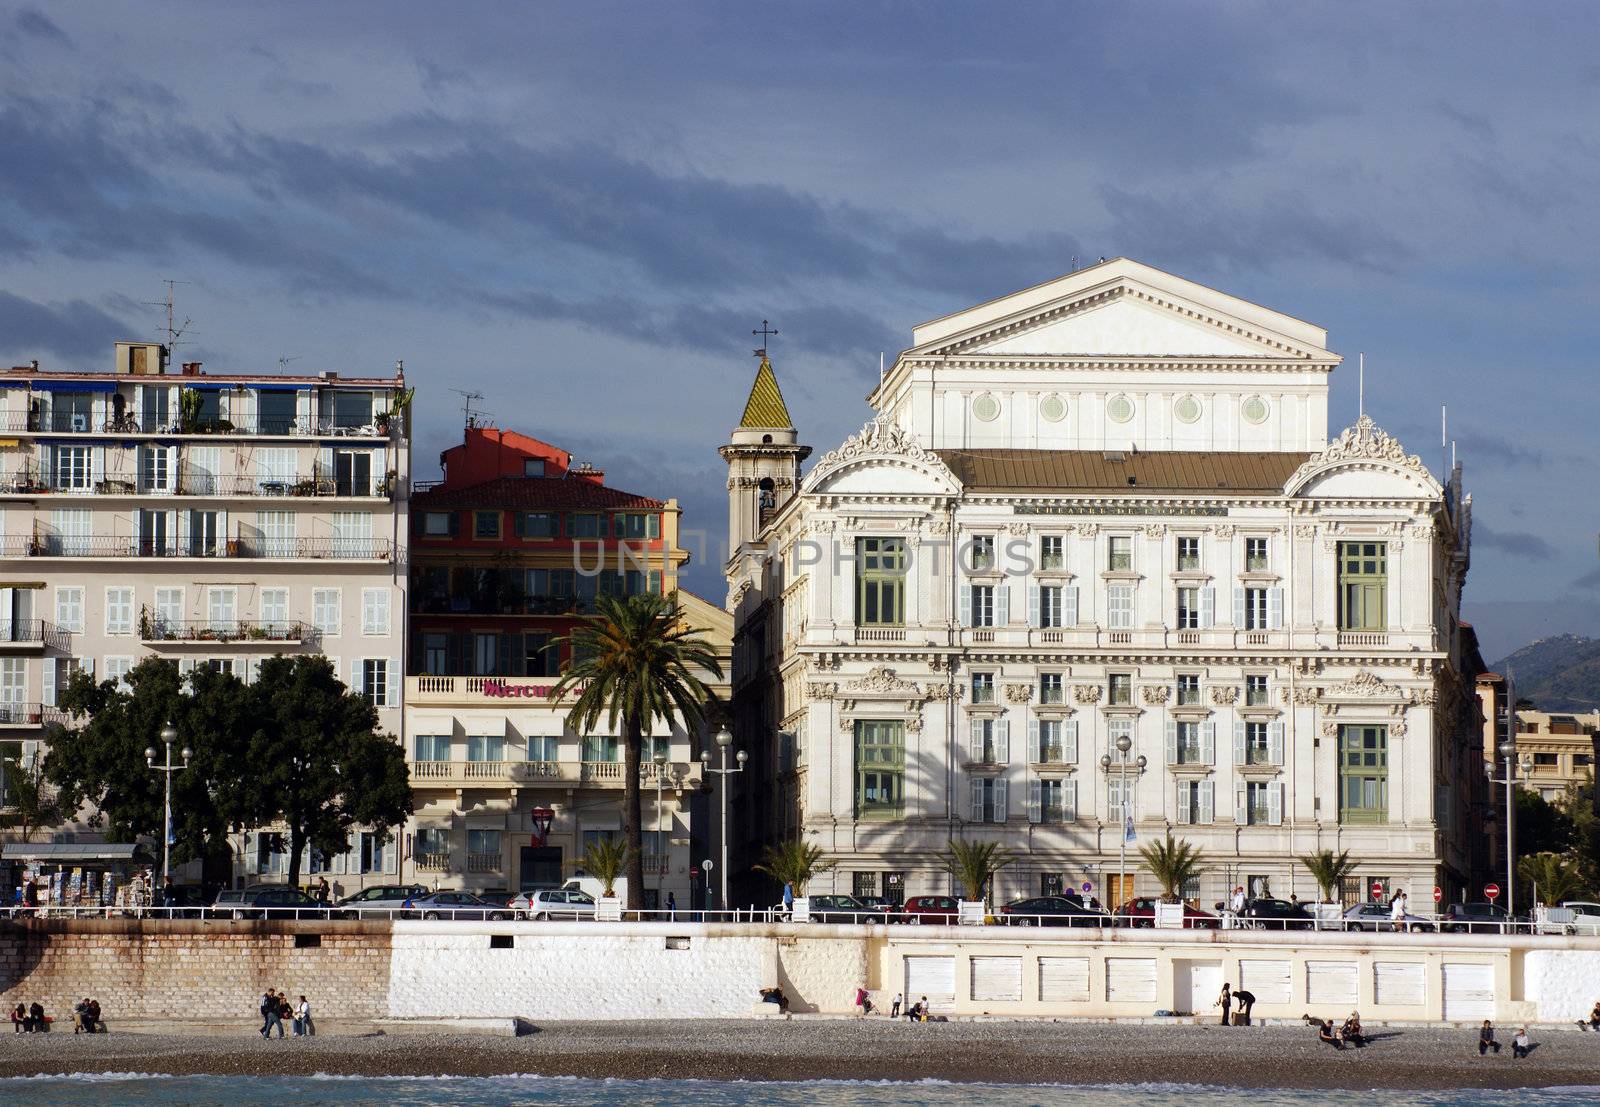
(766, 331)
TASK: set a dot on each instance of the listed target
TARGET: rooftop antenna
(174, 332)
(765, 332)
(1444, 436)
(283, 362)
(880, 371)
(468, 417)
(1361, 385)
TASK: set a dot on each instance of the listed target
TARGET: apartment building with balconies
(210, 519)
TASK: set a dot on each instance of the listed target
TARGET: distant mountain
(1561, 673)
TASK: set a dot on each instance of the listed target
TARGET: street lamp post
(724, 739)
(1124, 744)
(169, 735)
(660, 759)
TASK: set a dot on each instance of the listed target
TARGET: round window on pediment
(1187, 409)
(1254, 409)
(986, 407)
(1052, 409)
(1119, 408)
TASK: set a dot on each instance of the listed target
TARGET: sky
(582, 210)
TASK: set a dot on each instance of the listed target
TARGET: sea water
(76, 1090)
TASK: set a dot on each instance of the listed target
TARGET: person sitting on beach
(914, 1013)
(97, 1025)
(1325, 1031)
(19, 1018)
(775, 995)
(1351, 1031)
(924, 1009)
(1593, 1021)
(37, 1023)
(1519, 1044)
(1486, 1040)
(80, 1017)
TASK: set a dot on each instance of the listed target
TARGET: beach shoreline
(871, 1050)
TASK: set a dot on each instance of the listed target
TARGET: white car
(553, 903)
(1585, 917)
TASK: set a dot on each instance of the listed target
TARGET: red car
(928, 910)
(1141, 911)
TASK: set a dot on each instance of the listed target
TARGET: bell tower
(763, 455)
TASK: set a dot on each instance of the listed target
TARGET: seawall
(371, 970)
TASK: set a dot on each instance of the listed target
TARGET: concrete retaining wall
(545, 971)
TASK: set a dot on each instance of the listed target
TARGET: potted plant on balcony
(794, 863)
(974, 865)
(606, 860)
(1173, 863)
(1329, 871)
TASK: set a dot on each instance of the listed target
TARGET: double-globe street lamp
(1508, 753)
(1124, 743)
(723, 739)
(169, 735)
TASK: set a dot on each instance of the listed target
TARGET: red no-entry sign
(1438, 893)
(1377, 887)
(1492, 891)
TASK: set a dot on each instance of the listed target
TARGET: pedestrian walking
(1486, 1040)
(324, 892)
(169, 894)
(1237, 904)
(788, 897)
(672, 906)
(1519, 1044)
(269, 1002)
(1224, 1001)
(894, 1008)
(863, 1003)
(1397, 908)
(275, 1006)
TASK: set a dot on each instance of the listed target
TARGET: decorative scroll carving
(1330, 729)
(1365, 441)
(1226, 530)
(822, 689)
(1086, 693)
(1155, 530)
(883, 681)
(1224, 694)
(1155, 694)
(1305, 530)
(1019, 693)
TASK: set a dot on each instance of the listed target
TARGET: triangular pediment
(1121, 308)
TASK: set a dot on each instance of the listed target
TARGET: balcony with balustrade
(116, 547)
(480, 774)
(155, 631)
(32, 636)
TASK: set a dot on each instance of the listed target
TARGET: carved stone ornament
(1365, 441)
(820, 526)
(1088, 530)
(1369, 685)
(1019, 693)
(1226, 530)
(822, 689)
(878, 437)
(1397, 729)
(883, 681)
(1155, 694)
(1330, 729)
(1223, 694)
(1155, 530)
(914, 725)
(1302, 694)
(1086, 693)
(1305, 530)
(1017, 530)
(939, 527)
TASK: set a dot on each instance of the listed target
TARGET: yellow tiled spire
(765, 407)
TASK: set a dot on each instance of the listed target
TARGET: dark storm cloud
(75, 330)
(1493, 448)
(1517, 544)
(35, 24)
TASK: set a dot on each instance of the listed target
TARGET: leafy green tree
(1542, 827)
(1173, 863)
(636, 661)
(99, 756)
(1329, 871)
(794, 862)
(974, 864)
(315, 760)
(28, 803)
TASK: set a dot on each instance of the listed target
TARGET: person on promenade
(672, 907)
(788, 898)
(894, 1008)
(1519, 1044)
(1245, 1001)
(1224, 1001)
(1486, 1040)
(169, 894)
(1237, 903)
(324, 893)
(1397, 907)
(913, 1012)
(1593, 1021)
(303, 1026)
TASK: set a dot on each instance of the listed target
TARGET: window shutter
(1034, 756)
(966, 605)
(455, 524)
(49, 682)
(1185, 814)
(1274, 608)
(1035, 803)
(1275, 804)
(356, 683)
(975, 745)
(1240, 814)
(518, 523)
(1208, 607)
(1275, 743)
(977, 800)
(1207, 795)
(1069, 741)
(1002, 605)
(1238, 608)
(1069, 606)
(1069, 800)
(1001, 814)
(251, 845)
(1238, 742)
(1002, 742)
(392, 694)
(1172, 741)
(1208, 743)
(97, 466)
(1033, 605)
(391, 853)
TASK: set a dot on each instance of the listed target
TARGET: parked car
(1278, 914)
(843, 909)
(884, 904)
(552, 903)
(1478, 918)
(457, 905)
(1141, 912)
(267, 901)
(380, 897)
(1052, 911)
(929, 910)
(189, 901)
(1377, 916)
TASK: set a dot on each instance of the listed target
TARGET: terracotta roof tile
(532, 494)
(1090, 470)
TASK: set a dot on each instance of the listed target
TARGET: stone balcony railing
(484, 863)
(470, 773)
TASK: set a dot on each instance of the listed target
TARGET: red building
(513, 544)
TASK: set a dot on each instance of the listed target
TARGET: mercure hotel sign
(499, 689)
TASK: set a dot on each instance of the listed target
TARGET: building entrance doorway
(541, 868)
(1119, 889)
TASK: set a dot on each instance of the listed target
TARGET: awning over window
(279, 387)
(74, 386)
(493, 728)
(207, 386)
(70, 852)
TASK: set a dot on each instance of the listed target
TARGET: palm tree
(30, 804)
(1173, 864)
(635, 662)
(605, 860)
(1329, 871)
(794, 862)
(1557, 878)
(974, 864)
